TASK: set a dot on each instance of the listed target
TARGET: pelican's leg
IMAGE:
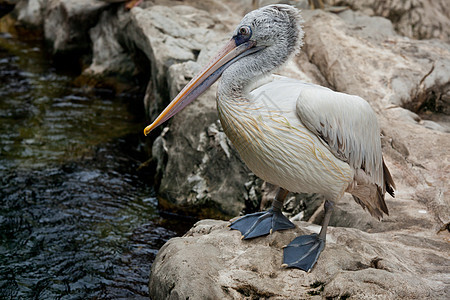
(262, 223)
(303, 251)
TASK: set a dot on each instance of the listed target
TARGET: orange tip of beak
(148, 129)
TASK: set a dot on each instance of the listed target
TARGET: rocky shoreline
(372, 51)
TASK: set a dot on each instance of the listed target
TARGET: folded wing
(348, 126)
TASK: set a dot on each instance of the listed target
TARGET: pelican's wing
(348, 125)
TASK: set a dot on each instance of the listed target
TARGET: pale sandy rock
(362, 55)
(211, 262)
(412, 18)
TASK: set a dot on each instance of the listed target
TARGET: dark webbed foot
(303, 252)
(261, 223)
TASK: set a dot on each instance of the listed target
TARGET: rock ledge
(211, 262)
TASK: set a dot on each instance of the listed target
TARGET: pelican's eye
(245, 31)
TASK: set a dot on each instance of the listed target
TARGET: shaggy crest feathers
(275, 14)
(277, 30)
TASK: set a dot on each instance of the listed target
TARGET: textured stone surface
(412, 18)
(211, 262)
(31, 12)
(200, 170)
(382, 67)
(109, 57)
(67, 23)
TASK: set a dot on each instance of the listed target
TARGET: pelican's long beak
(200, 83)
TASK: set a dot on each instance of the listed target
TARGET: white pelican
(299, 136)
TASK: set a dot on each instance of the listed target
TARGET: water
(77, 218)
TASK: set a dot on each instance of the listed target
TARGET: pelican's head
(274, 29)
(264, 40)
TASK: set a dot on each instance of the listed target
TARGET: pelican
(299, 136)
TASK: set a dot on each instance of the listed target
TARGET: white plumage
(304, 137)
(301, 162)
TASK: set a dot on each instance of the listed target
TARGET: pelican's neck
(239, 78)
(233, 85)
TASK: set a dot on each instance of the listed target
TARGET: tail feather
(388, 181)
(376, 208)
(371, 196)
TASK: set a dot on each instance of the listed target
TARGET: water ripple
(77, 220)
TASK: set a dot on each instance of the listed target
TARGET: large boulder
(212, 262)
(384, 68)
(198, 170)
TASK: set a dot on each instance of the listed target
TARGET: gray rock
(168, 36)
(67, 24)
(211, 262)
(394, 70)
(31, 12)
(200, 171)
(411, 18)
(109, 57)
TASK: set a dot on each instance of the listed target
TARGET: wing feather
(348, 125)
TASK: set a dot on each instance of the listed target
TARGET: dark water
(77, 220)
